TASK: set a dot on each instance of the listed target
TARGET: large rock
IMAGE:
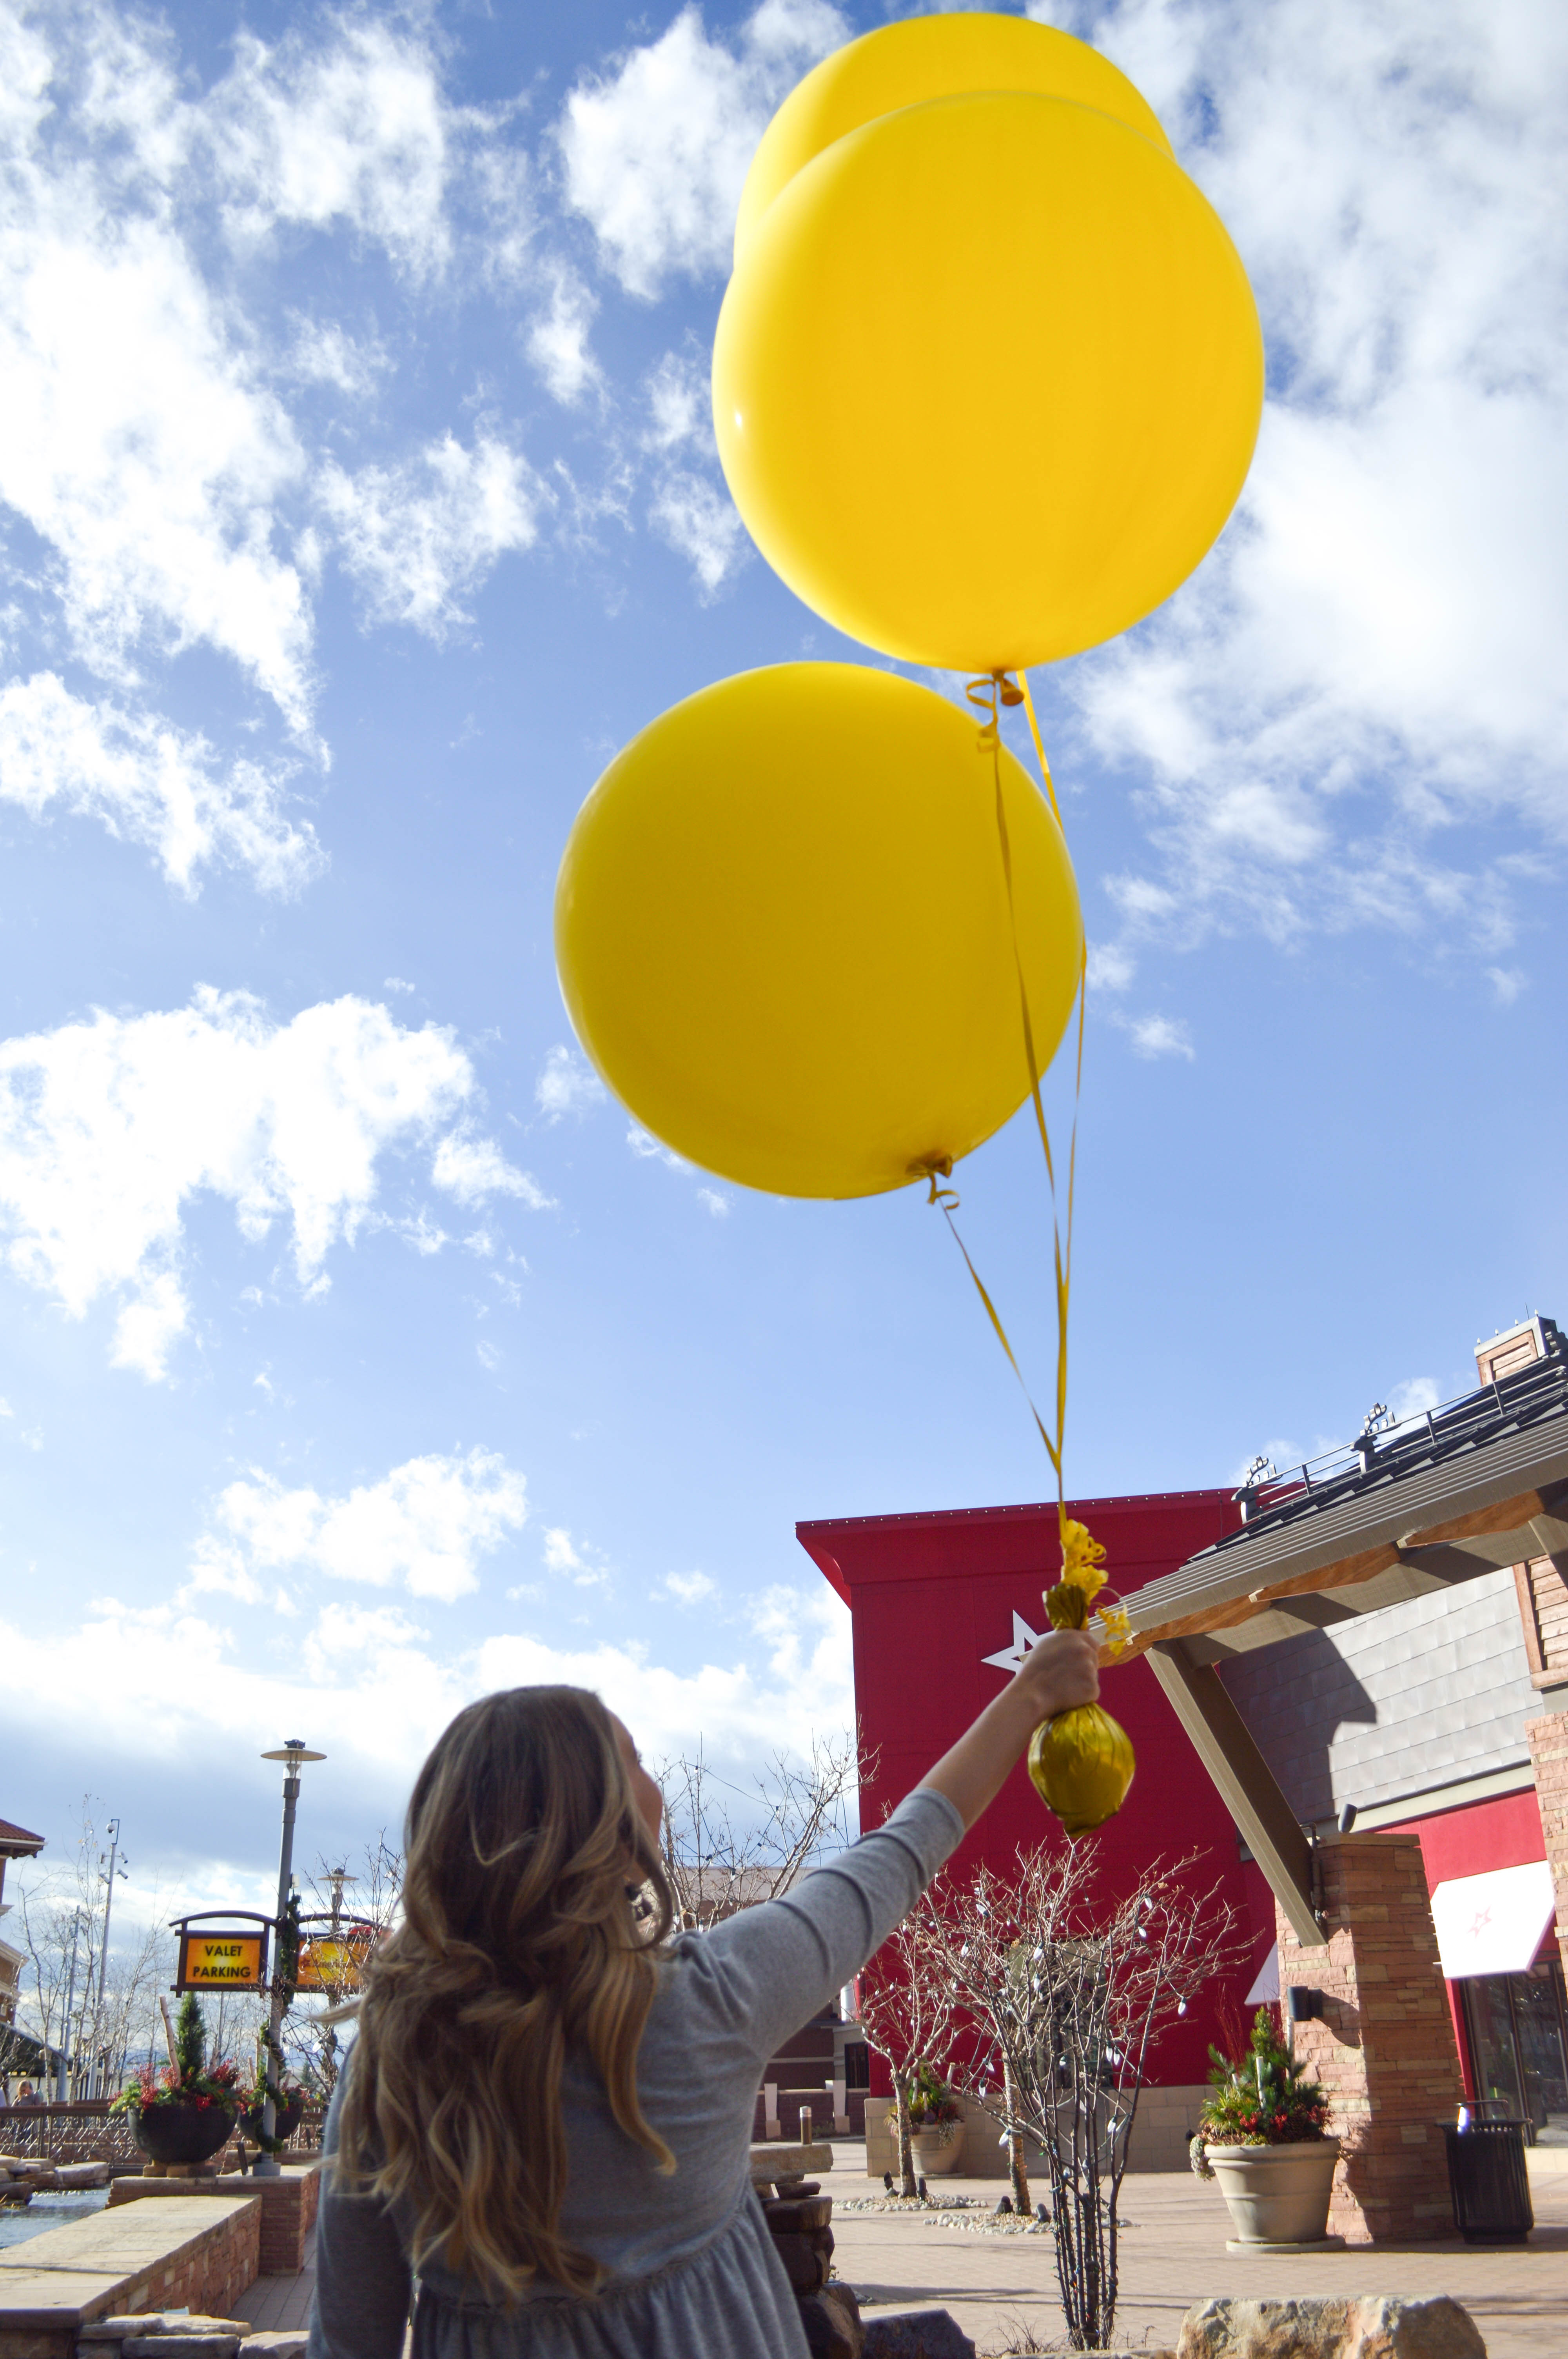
(832, 2323)
(1372, 2326)
(918, 2334)
(1381, 2326)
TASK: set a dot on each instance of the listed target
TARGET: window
(1518, 2026)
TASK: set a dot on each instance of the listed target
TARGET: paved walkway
(1002, 2289)
(279, 2305)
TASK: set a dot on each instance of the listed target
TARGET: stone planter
(183, 2132)
(1277, 2195)
(938, 2150)
(286, 2119)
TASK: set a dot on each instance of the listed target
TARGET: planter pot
(1277, 2195)
(287, 2120)
(183, 2132)
(939, 2150)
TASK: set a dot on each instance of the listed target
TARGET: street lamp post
(117, 1866)
(293, 1753)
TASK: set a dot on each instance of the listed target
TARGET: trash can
(1488, 2182)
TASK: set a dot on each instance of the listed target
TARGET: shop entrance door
(1518, 2026)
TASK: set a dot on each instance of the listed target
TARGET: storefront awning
(1265, 1990)
(1493, 1924)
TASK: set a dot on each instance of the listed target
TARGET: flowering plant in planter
(189, 2082)
(1265, 2099)
(930, 2100)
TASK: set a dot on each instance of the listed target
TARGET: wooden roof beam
(1226, 1746)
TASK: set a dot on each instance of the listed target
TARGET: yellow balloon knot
(1118, 1631)
(1082, 1558)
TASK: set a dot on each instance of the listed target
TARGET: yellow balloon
(1082, 1765)
(987, 380)
(782, 933)
(923, 58)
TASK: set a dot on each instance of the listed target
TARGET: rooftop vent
(1536, 1338)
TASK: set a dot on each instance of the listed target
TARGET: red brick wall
(288, 2214)
(1548, 1740)
(1385, 2048)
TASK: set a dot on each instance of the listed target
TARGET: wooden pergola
(1477, 1485)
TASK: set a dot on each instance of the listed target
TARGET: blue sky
(359, 503)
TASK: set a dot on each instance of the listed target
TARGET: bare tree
(1066, 2003)
(906, 2010)
(727, 1847)
(351, 1913)
(89, 2006)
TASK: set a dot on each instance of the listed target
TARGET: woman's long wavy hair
(526, 1850)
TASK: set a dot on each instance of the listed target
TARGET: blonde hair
(526, 1849)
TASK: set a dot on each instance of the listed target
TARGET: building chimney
(1517, 1347)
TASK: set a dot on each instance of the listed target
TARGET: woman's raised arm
(1060, 1670)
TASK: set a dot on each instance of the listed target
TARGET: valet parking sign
(224, 1957)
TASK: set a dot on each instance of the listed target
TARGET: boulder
(1381, 2326)
(275, 2344)
(918, 2334)
(1369, 2326)
(832, 2323)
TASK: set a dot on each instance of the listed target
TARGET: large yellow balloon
(782, 933)
(987, 380)
(931, 57)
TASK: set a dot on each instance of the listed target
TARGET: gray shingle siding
(1394, 1704)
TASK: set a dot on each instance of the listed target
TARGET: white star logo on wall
(1010, 1658)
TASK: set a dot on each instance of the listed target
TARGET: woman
(547, 2113)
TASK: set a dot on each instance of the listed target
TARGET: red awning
(1496, 1923)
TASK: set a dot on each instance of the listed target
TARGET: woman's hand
(1060, 1670)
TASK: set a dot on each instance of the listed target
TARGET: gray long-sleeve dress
(692, 2272)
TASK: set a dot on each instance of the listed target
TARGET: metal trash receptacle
(1488, 2182)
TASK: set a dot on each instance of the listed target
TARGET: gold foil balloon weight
(1082, 1761)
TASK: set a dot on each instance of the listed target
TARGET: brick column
(1548, 1742)
(1384, 2050)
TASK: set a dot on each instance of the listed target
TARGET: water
(49, 2212)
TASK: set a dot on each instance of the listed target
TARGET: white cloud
(1371, 661)
(353, 132)
(700, 523)
(150, 782)
(690, 1588)
(368, 1679)
(324, 352)
(656, 150)
(558, 340)
(472, 1169)
(650, 1149)
(136, 441)
(395, 982)
(679, 411)
(1159, 1036)
(147, 1329)
(1507, 982)
(1414, 1396)
(426, 1525)
(1111, 966)
(418, 535)
(109, 1127)
(566, 1084)
(562, 1555)
(714, 1201)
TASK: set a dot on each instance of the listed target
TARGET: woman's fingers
(1062, 1669)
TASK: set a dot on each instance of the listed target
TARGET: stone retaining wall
(193, 2252)
(288, 2207)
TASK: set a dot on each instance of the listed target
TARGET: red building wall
(932, 1596)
